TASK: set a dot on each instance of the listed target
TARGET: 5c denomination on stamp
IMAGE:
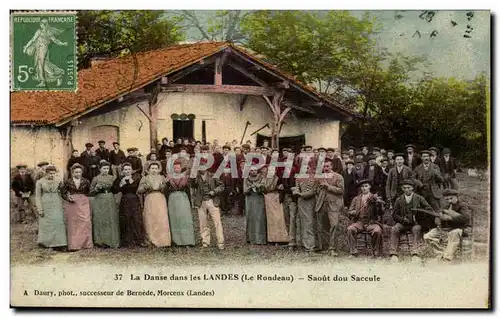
(43, 51)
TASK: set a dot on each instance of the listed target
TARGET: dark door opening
(183, 129)
(294, 142)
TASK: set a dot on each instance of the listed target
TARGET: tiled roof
(112, 78)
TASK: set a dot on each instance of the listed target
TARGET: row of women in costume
(80, 214)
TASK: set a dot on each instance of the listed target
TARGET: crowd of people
(111, 200)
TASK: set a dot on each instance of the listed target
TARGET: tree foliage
(111, 33)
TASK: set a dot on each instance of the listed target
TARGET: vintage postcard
(250, 159)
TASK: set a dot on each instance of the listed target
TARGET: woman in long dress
(305, 189)
(179, 207)
(51, 227)
(105, 220)
(255, 216)
(77, 209)
(155, 207)
(130, 212)
(276, 227)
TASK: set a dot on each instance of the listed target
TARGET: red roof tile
(112, 78)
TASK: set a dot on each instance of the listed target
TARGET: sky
(449, 53)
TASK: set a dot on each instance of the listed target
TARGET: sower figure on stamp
(448, 167)
(408, 219)
(365, 212)
(206, 201)
(452, 222)
(428, 180)
(329, 206)
(23, 186)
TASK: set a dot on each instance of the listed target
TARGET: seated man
(407, 218)
(451, 222)
(365, 211)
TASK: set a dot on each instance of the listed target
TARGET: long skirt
(79, 223)
(276, 225)
(105, 220)
(181, 218)
(156, 219)
(255, 216)
(51, 227)
(307, 217)
(131, 222)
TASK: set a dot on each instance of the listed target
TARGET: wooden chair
(405, 240)
(364, 243)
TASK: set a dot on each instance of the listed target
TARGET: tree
(220, 25)
(111, 33)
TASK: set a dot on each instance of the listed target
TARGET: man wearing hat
(412, 160)
(359, 169)
(434, 156)
(390, 157)
(102, 152)
(429, 180)
(135, 162)
(407, 218)
(336, 161)
(365, 152)
(40, 171)
(351, 152)
(360, 157)
(117, 158)
(350, 182)
(365, 213)
(452, 222)
(374, 174)
(396, 177)
(23, 186)
(329, 205)
(448, 167)
(90, 162)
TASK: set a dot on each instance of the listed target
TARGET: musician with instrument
(452, 222)
(409, 215)
(366, 211)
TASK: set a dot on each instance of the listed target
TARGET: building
(213, 90)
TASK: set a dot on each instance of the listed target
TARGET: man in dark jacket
(90, 162)
(412, 160)
(102, 152)
(452, 222)
(374, 174)
(365, 212)
(23, 186)
(75, 158)
(350, 184)
(407, 218)
(117, 158)
(336, 161)
(135, 162)
(435, 156)
(448, 167)
(429, 180)
(396, 177)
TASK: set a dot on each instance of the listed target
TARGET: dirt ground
(24, 249)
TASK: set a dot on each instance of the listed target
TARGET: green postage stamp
(43, 51)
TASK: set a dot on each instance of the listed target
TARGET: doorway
(294, 142)
(183, 129)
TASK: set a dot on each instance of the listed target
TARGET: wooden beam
(243, 101)
(218, 71)
(249, 74)
(188, 70)
(306, 109)
(142, 111)
(223, 89)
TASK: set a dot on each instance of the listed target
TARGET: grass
(24, 249)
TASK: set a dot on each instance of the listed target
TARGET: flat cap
(433, 148)
(116, 143)
(89, 145)
(399, 154)
(425, 152)
(375, 149)
(450, 192)
(21, 165)
(364, 181)
(446, 151)
(408, 182)
(410, 145)
(101, 142)
(42, 163)
(321, 149)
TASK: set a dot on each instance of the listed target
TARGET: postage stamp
(43, 51)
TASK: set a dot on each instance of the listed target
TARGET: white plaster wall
(32, 145)
(224, 120)
(133, 128)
